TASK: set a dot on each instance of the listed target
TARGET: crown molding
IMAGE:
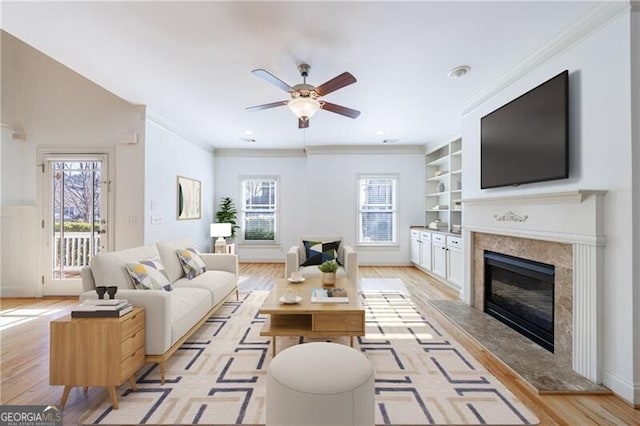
(365, 149)
(247, 152)
(170, 126)
(599, 16)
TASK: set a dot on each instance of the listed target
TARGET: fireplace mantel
(571, 217)
(567, 217)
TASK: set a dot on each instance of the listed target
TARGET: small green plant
(227, 213)
(328, 266)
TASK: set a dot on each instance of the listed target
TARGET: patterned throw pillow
(148, 275)
(318, 252)
(191, 261)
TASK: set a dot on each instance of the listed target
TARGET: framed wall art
(189, 194)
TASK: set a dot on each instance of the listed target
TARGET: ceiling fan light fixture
(304, 107)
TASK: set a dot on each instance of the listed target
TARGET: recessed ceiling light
(459, 72)
(380, 132)
(248, 132)
(390, 141)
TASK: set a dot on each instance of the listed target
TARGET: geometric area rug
(218, 377)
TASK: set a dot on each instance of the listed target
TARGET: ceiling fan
(305, 100)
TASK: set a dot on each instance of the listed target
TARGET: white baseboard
(16, 292)
(623, 388)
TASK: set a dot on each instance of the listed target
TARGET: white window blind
(259, 209)
(377, 215)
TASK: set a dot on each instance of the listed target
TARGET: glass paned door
(75, 220)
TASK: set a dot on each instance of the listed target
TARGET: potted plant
(227, 213)
(328, 270)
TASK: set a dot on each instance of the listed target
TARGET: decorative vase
(328, 278)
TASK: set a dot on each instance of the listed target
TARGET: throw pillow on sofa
(191, 262)
(318, 252)
(148, 275)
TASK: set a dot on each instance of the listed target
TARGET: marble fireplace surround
(564, 229)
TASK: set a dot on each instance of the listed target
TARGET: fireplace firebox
(520, 293)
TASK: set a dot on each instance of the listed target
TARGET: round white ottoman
(320, 384)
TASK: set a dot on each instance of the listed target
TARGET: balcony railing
(74, 250)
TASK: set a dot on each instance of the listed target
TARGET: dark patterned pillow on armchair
(318, 252)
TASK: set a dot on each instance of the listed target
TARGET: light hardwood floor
(24, 359)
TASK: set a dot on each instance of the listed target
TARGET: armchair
(347, 258)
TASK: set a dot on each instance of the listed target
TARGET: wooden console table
(96, 352)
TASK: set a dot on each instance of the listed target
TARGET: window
(377, 210)
(259, 209)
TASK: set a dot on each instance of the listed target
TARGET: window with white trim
(259, 209)
(377, 209)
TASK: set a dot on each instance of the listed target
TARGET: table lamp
(220, 230)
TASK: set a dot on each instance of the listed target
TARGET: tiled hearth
(560, 229)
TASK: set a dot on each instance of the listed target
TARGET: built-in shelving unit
(443, 189)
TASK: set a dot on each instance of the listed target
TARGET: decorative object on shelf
(101, 290)
(328, 270)
(227, 213)
(510, 217)
(440, 186)
(440, 207)
(438, 225)
(221, 231)
(188, 198)
(456, 229)
(458, 184)
(112, 290)
(441, 172)
(457, 204)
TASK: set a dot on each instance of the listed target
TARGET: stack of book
(101, 308)
(333, 295)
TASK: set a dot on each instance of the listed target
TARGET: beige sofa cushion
(172, 265)
(312, 271)
(188, 306)
(109, 268)
(224, 283)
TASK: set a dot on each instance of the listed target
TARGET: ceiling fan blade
(266, 75)
(335, 83)
(303, 124)
(339, 109)
(267, 106)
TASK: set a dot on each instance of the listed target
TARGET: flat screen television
(527, 140)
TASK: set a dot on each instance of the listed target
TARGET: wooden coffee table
(312, 319)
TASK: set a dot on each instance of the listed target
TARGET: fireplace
(520, 293)
(563, 229)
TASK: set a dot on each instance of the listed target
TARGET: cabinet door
(415, 247)
(439, 265)
(425, 259)
(454, 266)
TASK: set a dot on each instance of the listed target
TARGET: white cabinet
(455, 265)
(439, 249)
(425, 257)
(415, 246)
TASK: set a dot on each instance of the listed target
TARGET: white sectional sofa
(170, 316)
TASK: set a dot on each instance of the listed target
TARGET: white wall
(167, 156)
(290, 166)
(601, 148)
(318, 194)
(635, 116)
(56, 107)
